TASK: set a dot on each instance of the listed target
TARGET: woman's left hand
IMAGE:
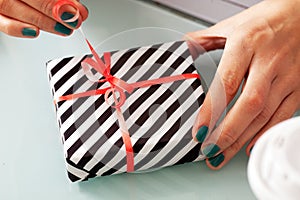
(262, 47)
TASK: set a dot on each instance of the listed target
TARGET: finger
(213, 37)
(232, 68)
(250, 103)
(218, 161)
(67, 11)
(286, 110)
(287, 107)
(24, 13)
(16, 28)
(46, 7)
(278, 94)
(202, 41)
(201, 44)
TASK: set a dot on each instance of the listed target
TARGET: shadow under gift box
(159, 118)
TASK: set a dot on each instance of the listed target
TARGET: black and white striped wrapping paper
(159, 118)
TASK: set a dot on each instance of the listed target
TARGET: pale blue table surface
(31, 155)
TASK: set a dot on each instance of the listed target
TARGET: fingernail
(62, 29)
(211, 150)
(29, 32)
(217, 160)
(201, 134)
(66, 16)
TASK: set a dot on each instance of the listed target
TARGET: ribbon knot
(116, 84)
(110, 78)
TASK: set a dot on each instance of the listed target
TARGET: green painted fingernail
(201, 134)
(211, 150)
(66, 16)
(29, 32)
(217, 160)
(62, 29)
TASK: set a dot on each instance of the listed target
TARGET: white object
(274, 165)
(210, 10)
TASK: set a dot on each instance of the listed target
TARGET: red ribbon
(116, 85)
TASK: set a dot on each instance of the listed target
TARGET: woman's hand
(262, 47)
(25, 18)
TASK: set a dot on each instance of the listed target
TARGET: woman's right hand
(25, 18)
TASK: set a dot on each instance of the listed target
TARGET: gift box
(126, 111)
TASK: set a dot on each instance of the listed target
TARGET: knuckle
(265, 115)
(247, 37)
(255, 101)
(230, 82)
(283, 115)
(38, 20)
(46, 7)
(261, 31)
(266, 30)
(236, 147)
(227, 138)
(244, 36)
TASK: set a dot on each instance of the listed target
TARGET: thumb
(208, 39)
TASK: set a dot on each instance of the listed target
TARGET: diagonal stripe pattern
(159, 118)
